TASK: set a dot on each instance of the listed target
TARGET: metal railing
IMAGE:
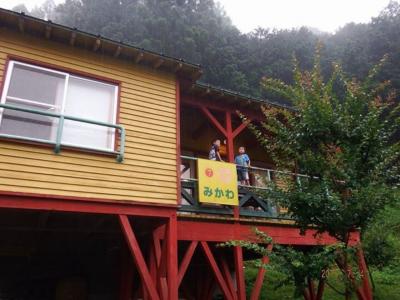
(58, 141)
(253, 201)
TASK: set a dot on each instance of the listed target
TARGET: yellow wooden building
(98, 184)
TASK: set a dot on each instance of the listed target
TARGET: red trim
(138, 256)
(71, 204)
(178, 140)
(229, 137)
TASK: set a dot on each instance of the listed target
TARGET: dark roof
(211, 91)
(82, 39)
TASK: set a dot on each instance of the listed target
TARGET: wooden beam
(218, 276)
(72, 38)
(117, 51)
(241, 127)
(239, 268)
(213, 120)
(139, 57)
(362, 265)
(186, 261)
(172, 257)
(97, 44)
(158, 63)
(138, 256)
(48, 32)
(255, 293)
(228, 277)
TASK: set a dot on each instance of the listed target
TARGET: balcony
(253, 199)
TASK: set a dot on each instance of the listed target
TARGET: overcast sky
(326, 15)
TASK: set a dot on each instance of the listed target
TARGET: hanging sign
(217, 182)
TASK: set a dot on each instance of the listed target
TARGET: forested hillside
(200, 31)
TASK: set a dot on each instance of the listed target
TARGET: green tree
(340, 134)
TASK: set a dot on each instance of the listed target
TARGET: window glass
(57, 92)
(91, 100)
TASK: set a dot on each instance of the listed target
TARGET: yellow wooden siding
(147, 111)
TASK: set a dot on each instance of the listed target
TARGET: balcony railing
(253, 199)
(58, 140)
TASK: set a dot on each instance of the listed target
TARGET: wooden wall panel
(147, 111)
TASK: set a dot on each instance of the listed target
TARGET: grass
(387, 285)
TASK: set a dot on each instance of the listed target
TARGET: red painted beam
(186, 261)
(229, 137)
(239, 268)
(172, 263)
(213, 120)
(138, 256)
(240, 128)
(218, 276)
(84, 205)
(220, 232)
(364, 273)
(228, 278)
(255, 293)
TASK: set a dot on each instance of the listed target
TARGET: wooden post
(255, 293)
(126, 282)
(364, 273)
(241, 285)
(138, 256)
(172, 256)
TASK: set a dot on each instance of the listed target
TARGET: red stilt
(240, 128)
(228, 278)
(239, 268)
(311, 288)
(321, 287)
(172, 264)
(362, 265)
(217, 273)
(138, 256)
(186, 261)
(255, 293)
(126, 276)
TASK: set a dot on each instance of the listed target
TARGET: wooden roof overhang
(200, 94)
(96, 43)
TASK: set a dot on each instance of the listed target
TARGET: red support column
(126, 276)
(364, 273)
(241, 285)
(186, 261)
(172, 256)
(255, 293)
(138, 257)
(229, 137)
(218, 276)
(228, 277)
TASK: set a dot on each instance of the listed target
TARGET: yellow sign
(217, 182)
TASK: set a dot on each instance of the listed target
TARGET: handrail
(268, 171)
(57, 144)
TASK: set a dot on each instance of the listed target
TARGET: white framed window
(40, 88)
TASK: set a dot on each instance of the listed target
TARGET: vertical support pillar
(172, 256)
(126, 275)
(255, 293)
(362, 265)
(229, 137)
(241, 286)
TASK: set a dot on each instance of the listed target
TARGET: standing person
(242, 160)
(214, 151)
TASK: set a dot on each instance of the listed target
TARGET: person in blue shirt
(242, 161)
